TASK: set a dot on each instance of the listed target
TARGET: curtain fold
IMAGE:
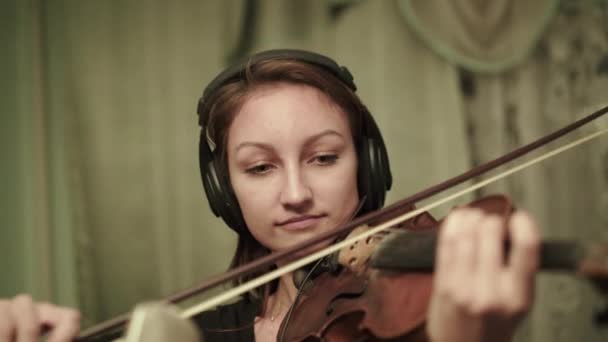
(26, 231)
(412, 93)
(480, 36)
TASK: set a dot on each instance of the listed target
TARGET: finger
(7, 322)
(445, 251)
(446, 246)
(491, 233)
(523, 258)
(460, 242)
(68, 328)
(26, 317)
(65, 322)
(525, 244)
(451, 293)
(465, 263)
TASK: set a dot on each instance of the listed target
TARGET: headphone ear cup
(227, 202)
(379, 180)
(219, 194)
(364, 177)
(209, 177)
(375, 177)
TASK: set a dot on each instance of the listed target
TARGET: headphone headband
(237, 71)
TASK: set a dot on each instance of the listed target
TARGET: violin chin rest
(159, 322)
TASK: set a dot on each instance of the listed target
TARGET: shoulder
(232, 322)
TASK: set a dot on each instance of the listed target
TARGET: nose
(297, 193)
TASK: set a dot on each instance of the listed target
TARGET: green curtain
(36, 230)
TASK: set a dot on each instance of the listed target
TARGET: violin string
(243, 288)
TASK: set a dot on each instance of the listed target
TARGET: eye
(325, 159)
(259, 169)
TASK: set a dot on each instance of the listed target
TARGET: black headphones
(373, 178)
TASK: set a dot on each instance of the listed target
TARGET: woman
(288, 151)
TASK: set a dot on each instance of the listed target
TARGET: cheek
(256, 200)
(339, 187)
(251, 196)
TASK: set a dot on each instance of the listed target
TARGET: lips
(300, 222)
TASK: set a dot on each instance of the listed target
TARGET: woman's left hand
(478, 293)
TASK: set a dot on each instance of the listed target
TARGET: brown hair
(225, 103)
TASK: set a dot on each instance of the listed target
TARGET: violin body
(353, 304)
(357, 309)
(372, 304)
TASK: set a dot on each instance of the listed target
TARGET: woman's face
(292, 164)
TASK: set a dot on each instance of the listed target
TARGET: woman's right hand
(480, 292)
(23, 320)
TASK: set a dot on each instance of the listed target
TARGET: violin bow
(390, 216)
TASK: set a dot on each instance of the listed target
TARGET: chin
(299, 239)
(285, 239)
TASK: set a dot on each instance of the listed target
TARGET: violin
(389, 251)
(383, 288)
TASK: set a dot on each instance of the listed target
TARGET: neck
(282, 299)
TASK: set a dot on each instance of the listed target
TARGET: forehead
(286, 112)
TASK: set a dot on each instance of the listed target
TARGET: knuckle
(465, 214)
(472, 217)
(474, 213)
(6, 315)
(449, 293)
(516, 307)
(23, 299)
(448, 224)
(5, 332)
(45, 306)
(532, 238)
(456, 211)
(525, 225)
(492, 221)
(468, 220)
(461, 300)
(442, 291)
(447, 239)
(457, 214)
(512, 310)
(530, 246)
(7, 322)
(485, 306)
(530, 253)
(72, 315)
(455, 234)
(29, 328)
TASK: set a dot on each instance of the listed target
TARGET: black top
(228, 323)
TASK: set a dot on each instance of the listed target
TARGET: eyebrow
(308, 141)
